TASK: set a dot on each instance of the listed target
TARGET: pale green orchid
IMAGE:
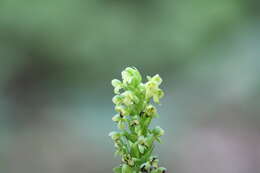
(135, 141)
(152, 88)
(120, 120)
(117, 84)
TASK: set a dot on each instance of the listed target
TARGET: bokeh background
(58, 58)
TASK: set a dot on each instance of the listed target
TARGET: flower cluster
(135, 140)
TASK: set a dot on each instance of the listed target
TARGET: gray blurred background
(58, 58)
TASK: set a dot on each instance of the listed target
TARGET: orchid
(135, 140)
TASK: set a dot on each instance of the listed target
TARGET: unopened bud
(158, 131)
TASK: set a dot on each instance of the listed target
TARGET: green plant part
(134, 141)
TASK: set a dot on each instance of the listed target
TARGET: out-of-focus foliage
(90, 32)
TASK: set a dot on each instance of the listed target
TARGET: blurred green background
(58, 58)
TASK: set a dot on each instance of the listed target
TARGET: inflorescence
(134, 141)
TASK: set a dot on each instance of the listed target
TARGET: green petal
(116, 118)
(157, 79)
(115, 135)
(158, 131)
(134, 150)
(117, 99)
(121, 125)
(150, 110)
(122, 109)
(141, 148)
(116, 83)
(149, 140)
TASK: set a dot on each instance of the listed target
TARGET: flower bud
(122, 110)
(115, 135)
(127, 76)
(150, 110)
(117, 84)
(117, 99)
(131, 76)
(158, 131)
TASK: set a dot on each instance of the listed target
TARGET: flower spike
(135, 140)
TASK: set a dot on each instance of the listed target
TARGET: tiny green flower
(127, 76)
(117, 99)
(115, 135)
(158, 95)
(129, 98)
(157, 79)
(150, 110)
(134, 123)
(116, 118)
(121, 125)
(135, 141)
(117, 84)
(158, 131)
(152, 88)
(122, 110)
(142, 144)
(128, 159)
(130, 75)
(121, 120)
(154, 161)
(145, 167)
